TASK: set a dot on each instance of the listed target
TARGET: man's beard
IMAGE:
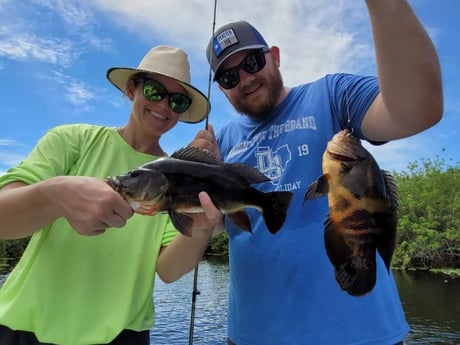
(260, 110)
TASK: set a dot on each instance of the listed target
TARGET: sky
(54, 55)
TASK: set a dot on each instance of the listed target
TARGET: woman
(71, 286)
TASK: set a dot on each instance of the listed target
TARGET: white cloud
(7, 142)
(79, 21)
(8, 159)
(78, 93)
(315, 37)
(52, 31)
(32, 47)
(74, 13)
(9, 155)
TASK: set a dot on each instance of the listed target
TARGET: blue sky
(54, 55)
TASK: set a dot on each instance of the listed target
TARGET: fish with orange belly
(363, 208)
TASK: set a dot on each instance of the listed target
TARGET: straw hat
(171, 62)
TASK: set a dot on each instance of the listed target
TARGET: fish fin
(318, 188)
(387, 241)
(355, 274)
(250, 174)
(386, 253)
(392, 194)
(275, 209)
(241, 220)
(354, 278)
(195, 154)
(181, 222)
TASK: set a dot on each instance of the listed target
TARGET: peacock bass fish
(172, 184)
(363, 208)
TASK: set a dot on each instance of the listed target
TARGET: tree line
(428, 233)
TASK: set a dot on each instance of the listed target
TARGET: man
(282, 287)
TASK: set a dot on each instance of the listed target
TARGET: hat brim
(199, 108)
(251, 47)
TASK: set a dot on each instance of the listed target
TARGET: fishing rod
(210, 64)
(195, 291)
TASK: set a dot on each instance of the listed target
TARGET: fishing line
(347, 105)
(210, 64)
(195, 291)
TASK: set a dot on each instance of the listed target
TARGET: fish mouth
(341, 157)
(145, 207)
(343, 151)
(345, 147)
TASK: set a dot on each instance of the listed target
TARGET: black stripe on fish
(359, 220)
(341, 204)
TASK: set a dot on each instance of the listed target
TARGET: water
(173, 304)
(431, 303)
(432, 306)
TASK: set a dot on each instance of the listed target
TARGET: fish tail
(275, 210)
(357, 276)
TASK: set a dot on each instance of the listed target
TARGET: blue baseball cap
(230, 39)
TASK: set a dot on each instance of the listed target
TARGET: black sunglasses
(252, 63)
(154, 91)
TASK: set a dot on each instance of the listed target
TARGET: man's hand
(210, 219)
(205, 139)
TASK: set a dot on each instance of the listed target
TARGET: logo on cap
(224, 40)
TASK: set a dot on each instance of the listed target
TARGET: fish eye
(345, 167)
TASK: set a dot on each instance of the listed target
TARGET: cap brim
(198, 110)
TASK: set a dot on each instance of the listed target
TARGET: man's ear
(275, 53)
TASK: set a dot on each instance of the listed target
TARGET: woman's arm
(89, 204)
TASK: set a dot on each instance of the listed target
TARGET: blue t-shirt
(282, 287)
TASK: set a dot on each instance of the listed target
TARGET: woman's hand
(89, 204)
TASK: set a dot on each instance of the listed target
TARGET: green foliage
(219, 244)
(429, 207)
(11, 251)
